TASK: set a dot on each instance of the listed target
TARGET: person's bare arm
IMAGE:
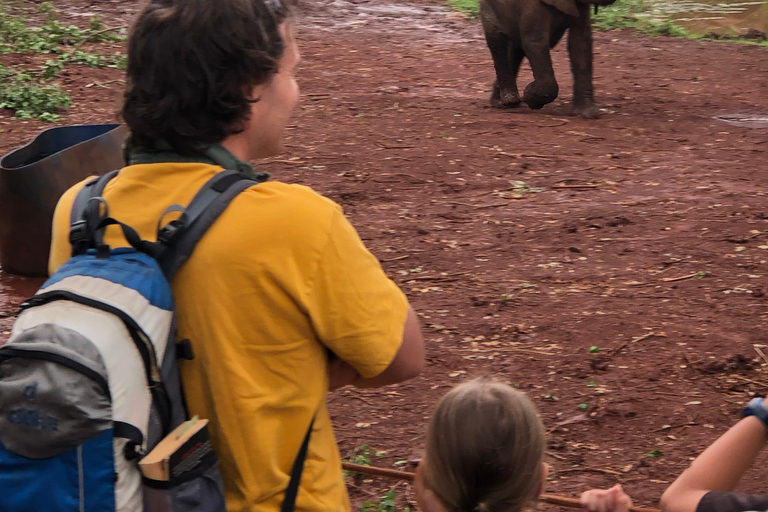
(408, 361)
(406, 364)
(718, 468)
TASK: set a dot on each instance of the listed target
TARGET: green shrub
(27, 91)
(33, 101)
(470, 7)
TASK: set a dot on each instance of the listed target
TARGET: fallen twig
(679, 425)
(552, 499)
(643, 337)
(621, 347)
(744, 239)
(437, 278)
(104, 84)
(295, 162)
(390, 146)
(760, 353)
(587, 470)
(575, 503)
(752, 381)
(374, 471)
(396, 259)
(687, 276)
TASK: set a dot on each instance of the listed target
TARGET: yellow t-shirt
(280, 278)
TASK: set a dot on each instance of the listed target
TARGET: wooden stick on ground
(405, 475)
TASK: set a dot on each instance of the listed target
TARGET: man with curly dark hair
(281, 300)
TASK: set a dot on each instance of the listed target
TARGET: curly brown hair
(191, 67)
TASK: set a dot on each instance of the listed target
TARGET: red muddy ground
(648, 240)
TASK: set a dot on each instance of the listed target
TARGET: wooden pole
(552, 499)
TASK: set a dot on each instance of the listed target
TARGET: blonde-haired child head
(485, 450)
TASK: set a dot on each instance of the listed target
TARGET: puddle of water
(15, 289)
(728, 18)
(745, 120)
(388, 18)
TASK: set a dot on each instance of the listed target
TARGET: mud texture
(525, 238)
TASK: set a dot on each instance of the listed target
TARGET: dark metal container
(35, 176)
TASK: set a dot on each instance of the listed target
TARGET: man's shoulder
(298, 193)
(291, 201)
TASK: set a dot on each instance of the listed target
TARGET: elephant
(529, 28)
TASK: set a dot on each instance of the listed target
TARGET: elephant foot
(585, 111)
(537, 95)
(504, 99)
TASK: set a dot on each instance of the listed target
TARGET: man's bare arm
(406, 364)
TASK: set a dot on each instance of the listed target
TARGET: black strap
(289, 502)
(94, 188)
(85, 215)
(176, 239)
(180, 237)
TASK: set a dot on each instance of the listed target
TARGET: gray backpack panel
(66, 404)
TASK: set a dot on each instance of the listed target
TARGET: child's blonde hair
(485, 447)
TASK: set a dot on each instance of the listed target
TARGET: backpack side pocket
(198, 490)
(56, 429)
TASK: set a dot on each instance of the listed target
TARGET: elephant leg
(544, 88)
(505, 87)
(580, 53)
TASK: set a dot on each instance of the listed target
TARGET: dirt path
(649, 239)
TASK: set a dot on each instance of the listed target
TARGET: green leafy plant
(19, 92)
(28, 91)
(386, 504)
(592, 383)
(583, 407)
(655, 453)
(594, 349)
(361, 455)
(50, 37)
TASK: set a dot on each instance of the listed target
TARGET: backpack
(89, 379)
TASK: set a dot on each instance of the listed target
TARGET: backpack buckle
(78, 232)
(132, 451)
(169, 232)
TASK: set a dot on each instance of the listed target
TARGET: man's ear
(569, 7)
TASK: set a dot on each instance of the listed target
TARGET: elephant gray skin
(529, 28)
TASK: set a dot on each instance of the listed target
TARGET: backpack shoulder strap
(94, 188)
(81, 227)
(209, 202)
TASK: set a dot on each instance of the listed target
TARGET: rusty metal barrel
(35, 176)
